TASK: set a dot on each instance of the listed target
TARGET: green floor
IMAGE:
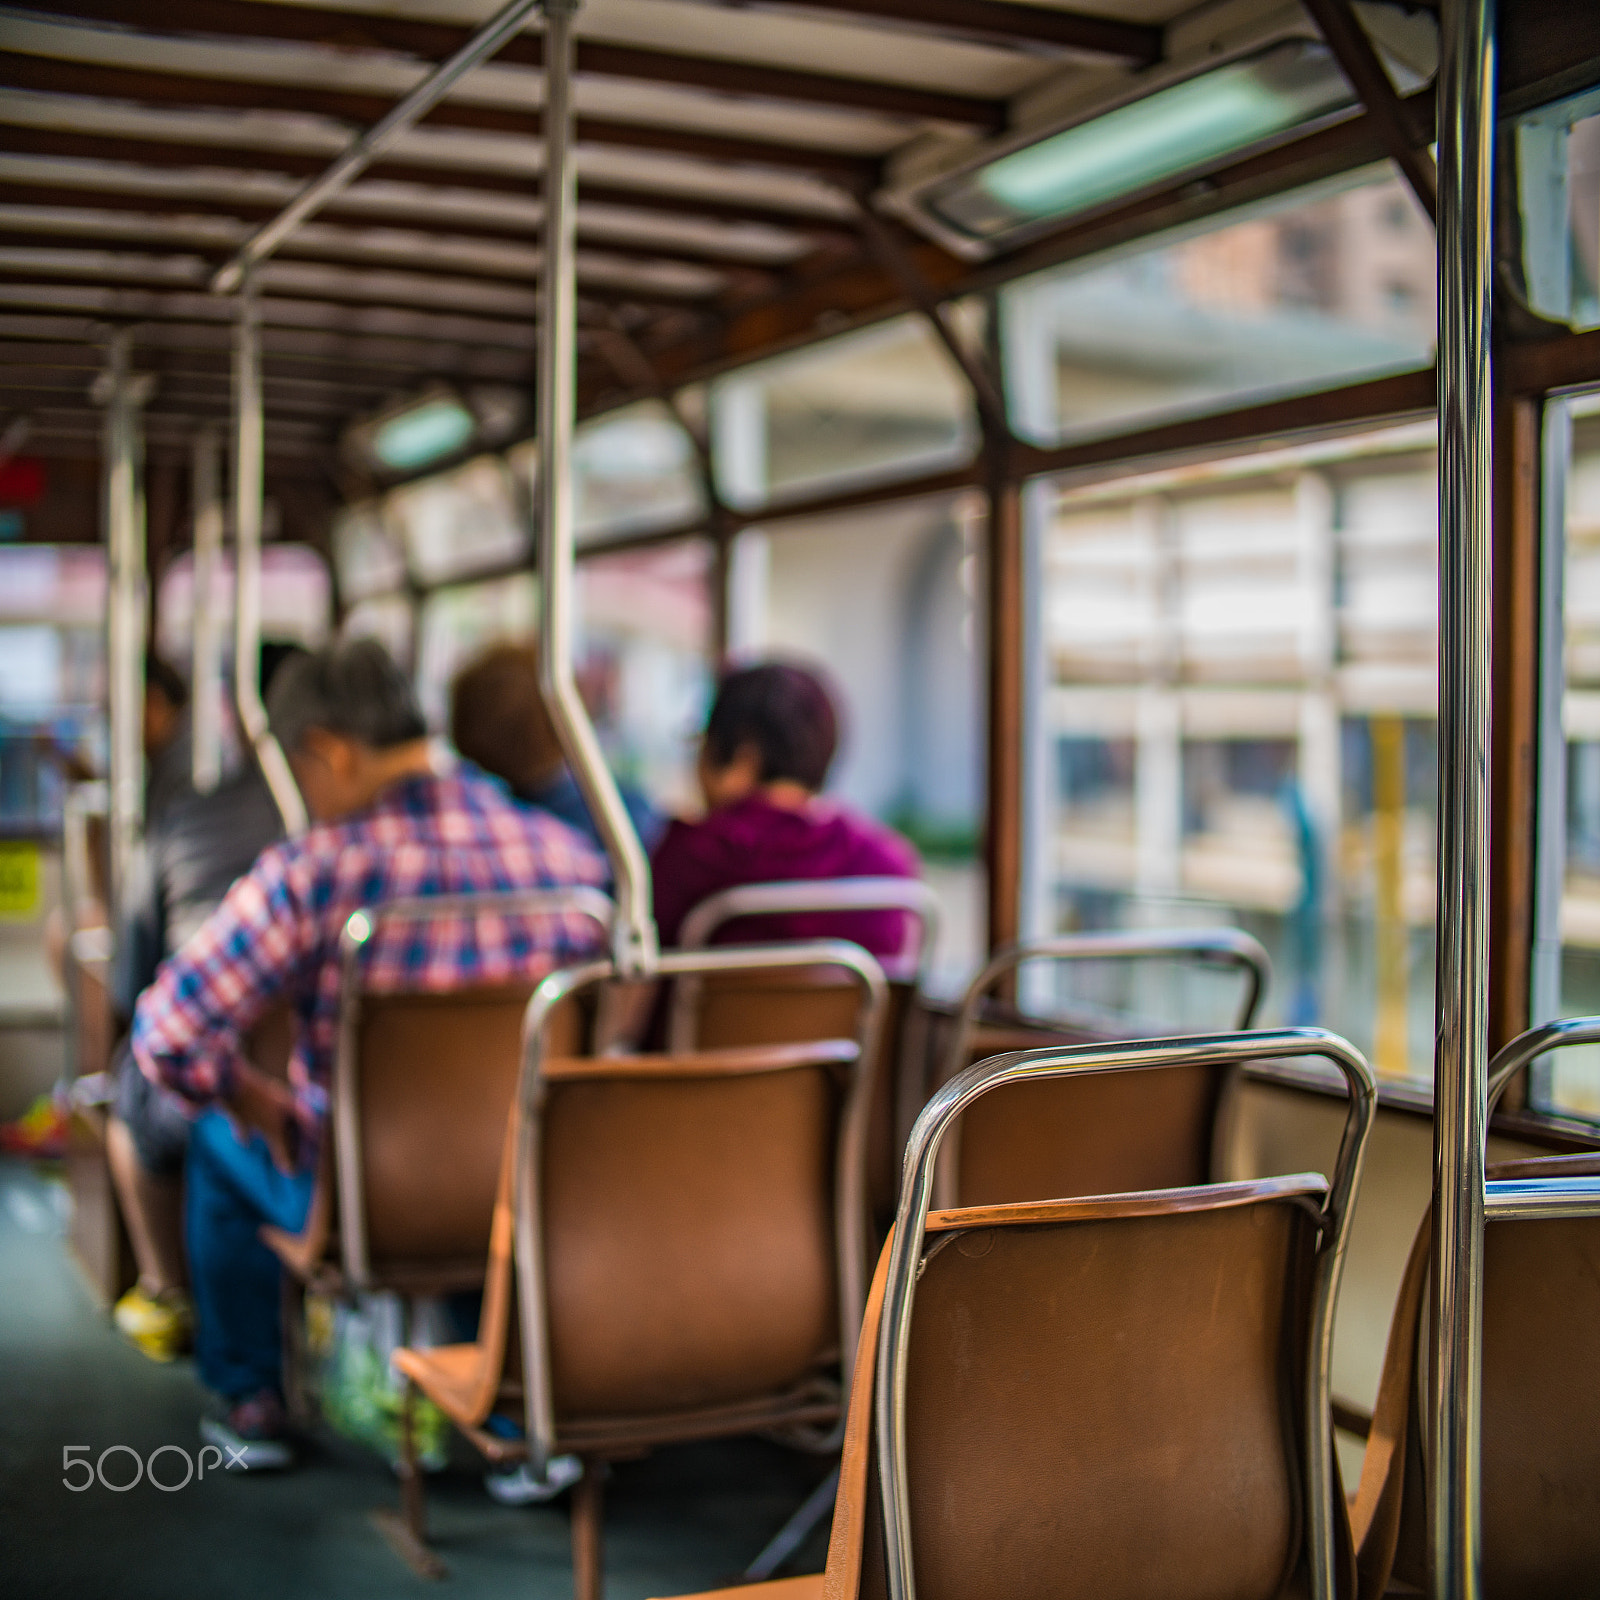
(682, 1520)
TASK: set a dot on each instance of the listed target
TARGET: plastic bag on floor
(359, 1393)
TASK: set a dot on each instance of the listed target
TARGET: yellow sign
(19, 879)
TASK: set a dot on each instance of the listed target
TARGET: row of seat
(1127, 1396)
(675, 1245)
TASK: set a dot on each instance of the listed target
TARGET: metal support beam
(1407, 142)
(248, 491)
(125, 609)
(367, 147)
(896, 260)
(205, 679)
(637, 371)
(635, 948)
(1466, 184)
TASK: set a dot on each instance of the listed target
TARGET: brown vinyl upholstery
(788, 1007)
(1105, 1399)
(690, 1274)
(689, 1245)
(1541, 1413)
(433, 1076)
(1115, 1134)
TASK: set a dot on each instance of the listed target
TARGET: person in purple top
(768, 744)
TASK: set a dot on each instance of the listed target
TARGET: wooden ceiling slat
(1135, 42)
(350, 252)
(247, 210)
(118, 301)
(368, 287)
(348, 28)
(175, 89)
(477, 182)
(389, 360)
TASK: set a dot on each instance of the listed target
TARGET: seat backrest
(794, 1005)
(1541, 1411)
(423, 1086)
(1124, 1396)
(778, 1008)
(690, 1247)
(1106, 1398)
(1079, 1136)
(433, 1080)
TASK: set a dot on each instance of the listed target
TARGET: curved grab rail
(790, 895)
(1224, 947)
(1531, 1199)
(359, 927)
(850, 1205)
(1020, 1066)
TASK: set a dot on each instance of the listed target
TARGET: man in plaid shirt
(387, 824)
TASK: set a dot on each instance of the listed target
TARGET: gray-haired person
(387, 823)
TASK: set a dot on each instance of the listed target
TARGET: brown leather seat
(1541, 1413)
(731, 1010)
(1078, 1136)
(1105, 1399)
(421, 1099)
(684, 1268)
(1117, 1398)
(774, 1008)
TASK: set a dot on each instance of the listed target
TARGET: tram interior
(1072, 380)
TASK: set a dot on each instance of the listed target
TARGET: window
(52, 674)
(1558, 193)
(1290, 297)
(898, 642)
(460, 523)
(880, 403)
(632, 470)
(1236, 725)
(1567, 966)
(644, 663)
(367, 553)
(455, 623)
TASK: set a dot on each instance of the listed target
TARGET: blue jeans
(234, 1188)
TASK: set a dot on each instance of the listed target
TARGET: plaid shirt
(275, 935)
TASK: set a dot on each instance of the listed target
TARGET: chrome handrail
(358, 929)
(905, 1259)
(850, 1203)
(1466, 127)
(802, 895)
(1533, 1199)
(634, 942)
(1221, 946)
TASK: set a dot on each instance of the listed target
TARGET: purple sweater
(754, 841)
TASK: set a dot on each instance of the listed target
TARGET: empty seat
(1117, 1398)
(774, 1008)
(1540, 1502)
(688, 1243)
(1088, 1135)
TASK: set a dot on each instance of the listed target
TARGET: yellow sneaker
(160, 1325)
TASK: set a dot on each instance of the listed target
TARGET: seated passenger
(498, 720)
(192, 855)
(768, 744)
(387, 823)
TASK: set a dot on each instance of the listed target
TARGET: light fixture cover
(1183, 128)
(429, 431)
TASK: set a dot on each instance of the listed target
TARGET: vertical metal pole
(1466, 176)
(635, 936)
(249, 451)
(125, 614)
(205, 685)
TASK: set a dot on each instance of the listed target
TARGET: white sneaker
(517, 1486)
